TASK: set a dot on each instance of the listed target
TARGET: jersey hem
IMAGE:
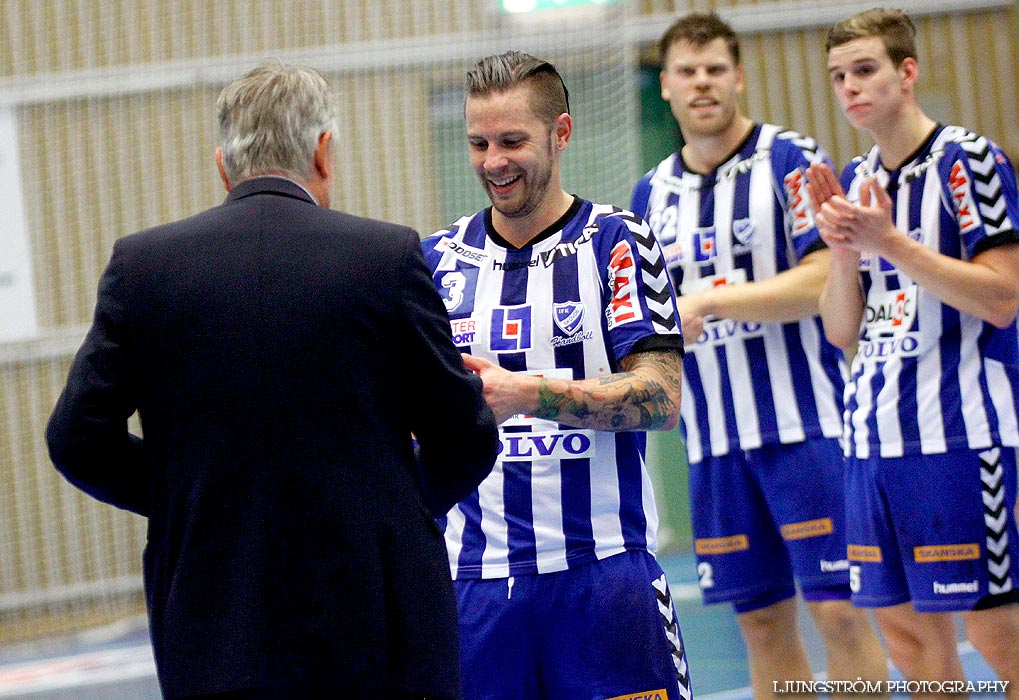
(530, 568)
(827, 431)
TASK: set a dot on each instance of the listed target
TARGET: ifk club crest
(569, 316)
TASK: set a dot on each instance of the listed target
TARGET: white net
(107, 127)
(113, 111)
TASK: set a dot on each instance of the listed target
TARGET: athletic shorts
(602, 630)
(938, 530)
(766, 518)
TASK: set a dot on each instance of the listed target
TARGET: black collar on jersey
(924, 146)
(755, 129)
(553, 229)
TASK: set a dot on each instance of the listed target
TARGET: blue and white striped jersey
(585, 293)
(927, 378)
(746, 384)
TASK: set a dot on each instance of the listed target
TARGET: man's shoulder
(457, 227)
(666, 166)
(959, 140)
(789, 142)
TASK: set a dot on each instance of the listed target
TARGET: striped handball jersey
(927, 378)
(746, 384)
(586, 292)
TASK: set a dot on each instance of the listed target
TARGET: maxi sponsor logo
(799, 202)
(960, 185)
(551, 444)
(624, 306)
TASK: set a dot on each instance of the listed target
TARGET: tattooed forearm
(644, 396)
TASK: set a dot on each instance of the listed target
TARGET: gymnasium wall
(112, 107)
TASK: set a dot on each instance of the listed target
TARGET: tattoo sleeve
(644, 395)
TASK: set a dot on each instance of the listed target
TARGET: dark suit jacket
(280, 355)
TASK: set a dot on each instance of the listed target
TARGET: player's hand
(693, 327)
(500, 386)
(822, 184)
(863, 227)
(825, 190)
(692, 312)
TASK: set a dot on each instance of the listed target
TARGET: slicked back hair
(271, 119)
(505, 71)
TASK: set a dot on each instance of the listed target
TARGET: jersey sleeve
(792, 154)
(640, 303)
(980, 188)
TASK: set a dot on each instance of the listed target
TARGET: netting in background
(114, 111)
(112, 103)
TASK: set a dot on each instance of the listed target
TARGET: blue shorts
(603, 630)
(938, 530)
(767, 518)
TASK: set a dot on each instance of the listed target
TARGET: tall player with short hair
(761, 410)
(924, 283)
(564, 309)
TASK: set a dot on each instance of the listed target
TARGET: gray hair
(270, 120)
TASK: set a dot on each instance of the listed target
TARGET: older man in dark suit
(280, 356)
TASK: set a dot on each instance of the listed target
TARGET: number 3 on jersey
(459, 286)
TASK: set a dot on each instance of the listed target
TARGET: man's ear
(324, 156)
(222, 170)
(910, 72)
(563, 130)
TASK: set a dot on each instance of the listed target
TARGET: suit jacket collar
(269, 184)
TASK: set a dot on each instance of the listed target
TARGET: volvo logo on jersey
(510, 329)
(550, 444)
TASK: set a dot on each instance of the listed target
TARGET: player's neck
(519, 231)
(703, 153)
(900, 138)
